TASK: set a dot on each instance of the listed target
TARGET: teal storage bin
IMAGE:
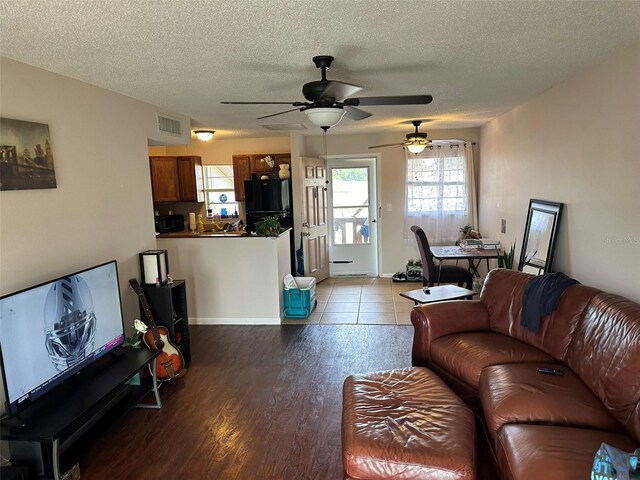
(299, 302)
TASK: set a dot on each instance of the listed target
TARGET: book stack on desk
(469, 243)
(490, 243)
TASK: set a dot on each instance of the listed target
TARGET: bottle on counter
(200, 224)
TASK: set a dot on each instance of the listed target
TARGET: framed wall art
(26, 156)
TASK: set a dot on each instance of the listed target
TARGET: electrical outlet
(503, 225)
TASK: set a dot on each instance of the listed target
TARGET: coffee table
(439, 293)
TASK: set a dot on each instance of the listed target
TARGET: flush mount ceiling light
(204, 135)
(324, 116)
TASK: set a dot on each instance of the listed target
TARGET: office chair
(431, 274)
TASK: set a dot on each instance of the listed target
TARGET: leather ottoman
(405, 424)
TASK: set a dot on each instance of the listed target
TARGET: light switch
(389, 207)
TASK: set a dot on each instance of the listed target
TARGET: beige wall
(577, 144)
(221, 151)
(101, 207)
(394, 252)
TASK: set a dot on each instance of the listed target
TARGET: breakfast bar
(231, 278)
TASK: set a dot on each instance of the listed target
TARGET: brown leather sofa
(540, 426)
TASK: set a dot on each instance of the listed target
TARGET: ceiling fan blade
(355, 113)
(339, 90)
(279, 113)
(264, 103)
(447, 141)
(386, 145)
(398, 100)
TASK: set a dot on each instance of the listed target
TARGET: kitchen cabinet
(191, 179)
(164, 179)
(176, 179)
(259, 163)
(241, 172)
(244, 166)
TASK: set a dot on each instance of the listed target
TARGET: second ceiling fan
(417, 141)
(329, 100)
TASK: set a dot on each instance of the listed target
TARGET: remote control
(550, 371)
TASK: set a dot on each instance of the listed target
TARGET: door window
(350, 205)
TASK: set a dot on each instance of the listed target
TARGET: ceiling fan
(329, 100)
(417, 141)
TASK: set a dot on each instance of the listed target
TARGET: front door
(353, 244)
(314, 226)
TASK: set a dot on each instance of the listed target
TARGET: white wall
(577, 144)
(101, 209)
(394, 251)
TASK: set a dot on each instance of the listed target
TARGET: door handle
(374, 221)
(305, 224)
(304, 234)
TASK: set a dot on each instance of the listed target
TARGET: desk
(473, 255)
(439, 293)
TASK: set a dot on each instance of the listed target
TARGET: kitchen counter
(187, 234)
(230, 281)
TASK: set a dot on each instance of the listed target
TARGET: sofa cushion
(518, 393)
(605, 354)
(502, 295)
(465, 354)
(532, 452)
(557, 328)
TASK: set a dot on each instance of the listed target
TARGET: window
(220, 196)
(436, 185)
(437, 191)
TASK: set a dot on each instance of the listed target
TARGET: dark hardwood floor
(258, 402)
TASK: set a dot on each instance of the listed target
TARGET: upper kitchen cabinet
(177, 179)
(191, 179)
(269, 162)
(241, 172)
(282, 158)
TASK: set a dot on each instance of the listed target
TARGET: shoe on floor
(399, 277)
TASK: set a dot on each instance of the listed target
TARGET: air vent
(284, 126)
(169, 125)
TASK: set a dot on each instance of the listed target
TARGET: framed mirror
(540, 233)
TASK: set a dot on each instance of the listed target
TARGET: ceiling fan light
(416, 147)
(324, 116)
(204, 135)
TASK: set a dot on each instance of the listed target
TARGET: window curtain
(472, 194)
(441, 217)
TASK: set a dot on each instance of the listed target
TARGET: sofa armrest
(435, 320)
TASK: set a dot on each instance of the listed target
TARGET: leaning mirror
(540, 234)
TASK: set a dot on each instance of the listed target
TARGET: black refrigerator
(269, 197)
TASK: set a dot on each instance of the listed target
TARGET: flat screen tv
(53, 330)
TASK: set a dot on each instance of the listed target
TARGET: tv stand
(46, 434)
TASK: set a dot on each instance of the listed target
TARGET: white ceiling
(477, 58)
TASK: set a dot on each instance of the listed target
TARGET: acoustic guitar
(170, 363)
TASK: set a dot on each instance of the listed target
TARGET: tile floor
(360, 300)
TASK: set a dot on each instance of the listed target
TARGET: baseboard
(235, 321)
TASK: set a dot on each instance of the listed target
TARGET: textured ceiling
(477, 58)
